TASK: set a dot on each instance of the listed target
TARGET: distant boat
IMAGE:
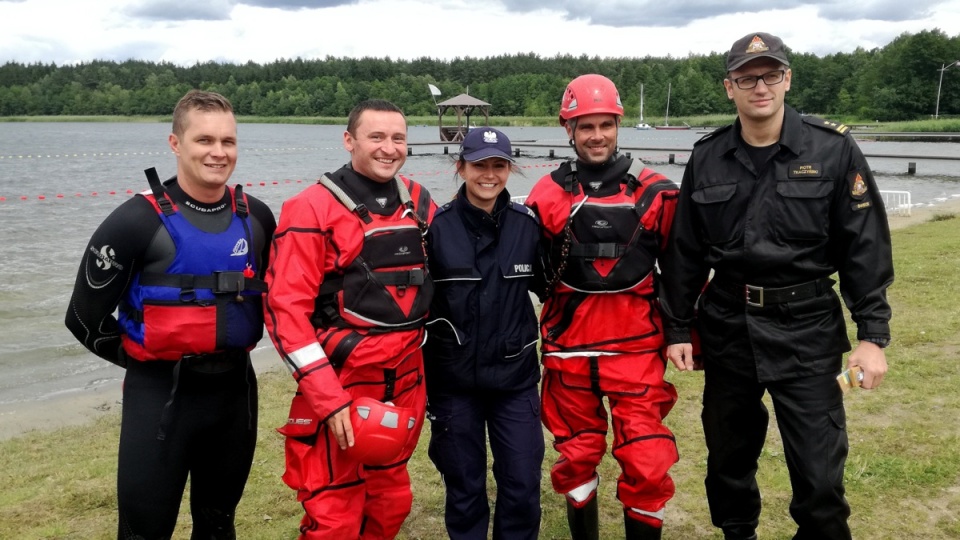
(666, 116)
(640, 123)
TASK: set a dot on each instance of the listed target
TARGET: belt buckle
(229, 281)
(753, 295)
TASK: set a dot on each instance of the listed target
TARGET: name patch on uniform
(522, 268)
(860, 206)
(805, 170)
(858, 188)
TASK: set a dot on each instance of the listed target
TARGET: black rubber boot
(638, 530)
(584, 522)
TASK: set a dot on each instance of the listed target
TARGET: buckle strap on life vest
(399, 278)
(242, 210)
(345, 199)
(606, 250)
(218, 282)
(159, 194)
(570, 180)
(633, 176)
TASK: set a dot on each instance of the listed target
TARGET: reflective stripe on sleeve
(305, 356)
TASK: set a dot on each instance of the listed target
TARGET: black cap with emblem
(753, 46)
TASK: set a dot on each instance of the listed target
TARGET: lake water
(58, 181)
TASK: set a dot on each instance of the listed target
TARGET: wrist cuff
(878, 341)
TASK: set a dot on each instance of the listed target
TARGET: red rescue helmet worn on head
(590, 94)
(380, 430)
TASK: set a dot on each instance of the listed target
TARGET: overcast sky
(187, 31)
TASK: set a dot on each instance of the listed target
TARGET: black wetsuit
(192, 417)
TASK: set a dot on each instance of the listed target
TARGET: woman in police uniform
(480, 357)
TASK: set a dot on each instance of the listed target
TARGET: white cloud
(265, 30)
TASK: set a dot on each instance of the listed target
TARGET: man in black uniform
(183, 261)
(775, 204)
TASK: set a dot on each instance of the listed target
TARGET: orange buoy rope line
(271, 183)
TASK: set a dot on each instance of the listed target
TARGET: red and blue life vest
(207, 301)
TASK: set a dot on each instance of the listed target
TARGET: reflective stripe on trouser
(575, 415)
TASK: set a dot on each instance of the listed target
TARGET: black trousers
(812, 424)
(209, 433)
(458, 447)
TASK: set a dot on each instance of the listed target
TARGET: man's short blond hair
(198, 100)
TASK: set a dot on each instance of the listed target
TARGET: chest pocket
(804, 209)
(719, 219)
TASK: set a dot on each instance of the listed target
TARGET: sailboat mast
(666, 114)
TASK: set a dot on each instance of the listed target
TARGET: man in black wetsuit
(183, 262)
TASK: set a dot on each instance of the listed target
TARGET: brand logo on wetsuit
(205, 210)
(402, 250)
(105, 258)
(382, 201)
(240, 248)
(595, 185)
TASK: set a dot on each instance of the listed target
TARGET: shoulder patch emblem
(858, 188)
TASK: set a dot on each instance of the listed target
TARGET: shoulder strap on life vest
(159, 194)
(357, 208)
(633, 176)
(422, 208)
(423, 204)
(651, 184)
(240, 202)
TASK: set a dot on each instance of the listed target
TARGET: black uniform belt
(757, 296)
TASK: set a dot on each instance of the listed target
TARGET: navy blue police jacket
(482, 329)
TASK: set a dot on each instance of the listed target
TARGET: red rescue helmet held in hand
(590, 94)
(380, 430)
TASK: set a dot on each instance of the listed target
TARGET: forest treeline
(896, 82)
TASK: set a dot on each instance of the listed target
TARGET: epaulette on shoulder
(442, 208)
(714, 133)
(524, 209)
(829, 125)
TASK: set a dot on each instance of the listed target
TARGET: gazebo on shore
(464, 106)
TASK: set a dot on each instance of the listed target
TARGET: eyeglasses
(769, 78)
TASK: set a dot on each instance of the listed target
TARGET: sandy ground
(81, 406)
